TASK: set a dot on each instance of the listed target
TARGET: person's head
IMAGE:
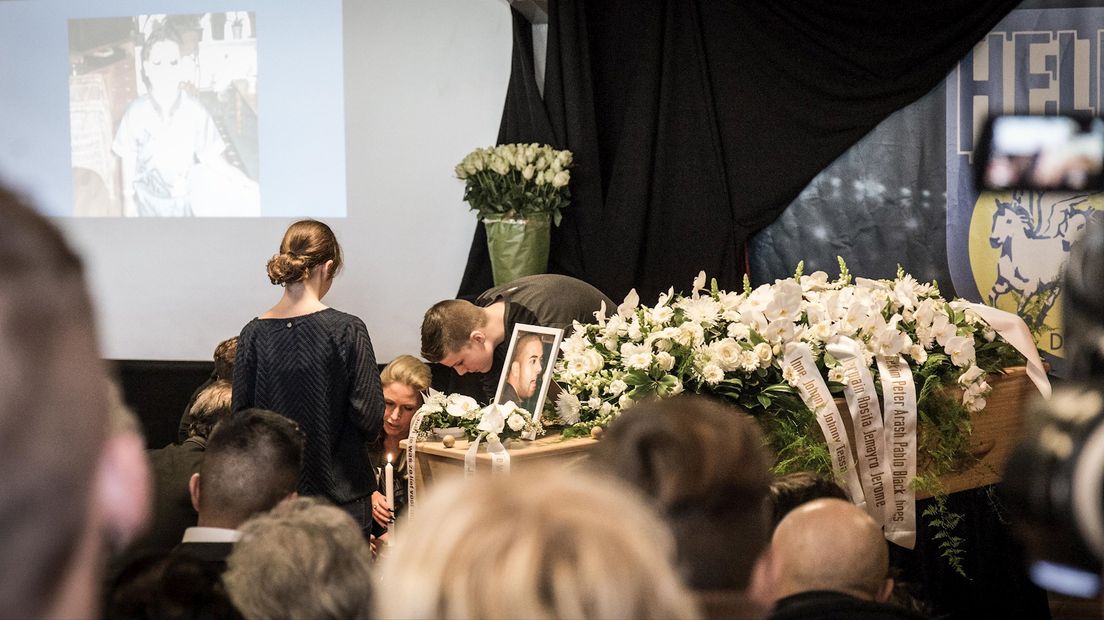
(252, 462)
(534, 544)
(67, 489)
(527, 364)
(304, 560)
(161, 67)
(210, 407)
(454, 334)
(168, 586)
(225, 353)
(792, 490)
(704, 465)
(403, 380)
(309, 249)
(830, 544)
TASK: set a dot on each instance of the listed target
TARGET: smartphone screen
(1042, 152)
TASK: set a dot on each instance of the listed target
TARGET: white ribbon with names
(814, 392)
(866, 419)
(899, 396)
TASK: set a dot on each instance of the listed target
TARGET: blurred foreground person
(303, 560)
(71, 488)
(703, 465)
(544, 544)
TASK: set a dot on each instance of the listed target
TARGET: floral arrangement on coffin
(507, 421)
(730, 345)
(516, 181)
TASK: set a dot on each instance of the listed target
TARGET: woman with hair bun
(315, 365)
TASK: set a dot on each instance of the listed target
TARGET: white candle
(389, 484)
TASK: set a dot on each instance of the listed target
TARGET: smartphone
(1064, 152)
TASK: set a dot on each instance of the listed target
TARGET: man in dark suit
(252, 462)
(173, 467)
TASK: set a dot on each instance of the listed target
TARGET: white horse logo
(1034, 242)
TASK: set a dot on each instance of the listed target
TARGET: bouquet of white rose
(516, 181)
(458, 411)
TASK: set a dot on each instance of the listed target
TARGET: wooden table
(434, 462)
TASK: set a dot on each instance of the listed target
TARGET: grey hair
(303, 560)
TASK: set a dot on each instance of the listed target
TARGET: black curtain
(694, 123)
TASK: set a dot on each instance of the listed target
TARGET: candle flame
(388, 457)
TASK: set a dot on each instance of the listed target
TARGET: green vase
(518, 246)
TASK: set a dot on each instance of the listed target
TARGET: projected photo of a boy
(176, 96)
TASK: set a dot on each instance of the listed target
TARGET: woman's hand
(381, 510)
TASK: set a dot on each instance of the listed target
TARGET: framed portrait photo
(527, 372)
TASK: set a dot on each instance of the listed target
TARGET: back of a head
(53, 407)
(224, 356)
(407, 370)
(211, 406)
(704, 465)
(792, 490)
(830, 544)
(252, 461)
(306, 244)
(539, 544)
(447, 325)
(304, 560)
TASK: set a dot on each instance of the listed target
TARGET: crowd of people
(269, 504)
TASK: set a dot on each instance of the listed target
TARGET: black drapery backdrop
(695, 123)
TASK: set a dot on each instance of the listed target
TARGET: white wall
(425, 82)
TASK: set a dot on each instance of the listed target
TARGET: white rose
(624, 402)
(528, 172)
(764, 353)
(561, 178)
(515, 422)
(593, 360)
(617, 386)
(594, 402)
(726, 353)
(665, 361)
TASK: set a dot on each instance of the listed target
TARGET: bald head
(830, 544)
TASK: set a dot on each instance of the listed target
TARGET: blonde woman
(404, 380)
(546, 544)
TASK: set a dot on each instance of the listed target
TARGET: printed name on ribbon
(814, 392)
(899, 396)
(866, 419)
(500, 457)
(411, 449)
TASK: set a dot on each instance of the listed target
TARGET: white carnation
(712, 374)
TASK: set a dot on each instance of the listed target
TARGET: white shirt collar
(211, 535)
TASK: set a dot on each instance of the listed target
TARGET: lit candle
(389, 485)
